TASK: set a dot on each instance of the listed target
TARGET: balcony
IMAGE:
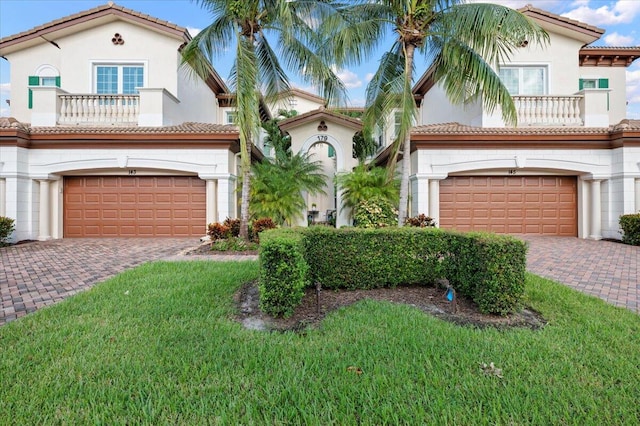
(588, 108)
(92, 109)
(53, 106)
(548, 110)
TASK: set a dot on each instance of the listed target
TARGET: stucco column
(225, 192)
(3, 197)
(637, 195)
(44, 232)
(595, 230)
(419, 196)
(212, 201)
(434, 200)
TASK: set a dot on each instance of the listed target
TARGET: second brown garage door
(119, 206)
(543, 205)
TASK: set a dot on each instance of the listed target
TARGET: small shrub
(218, 231)
(233, 244)
(376, 212)
(283, 272)
(260, 225)
(630, 225)
(233, 225)
(420, 221)
(6, 228)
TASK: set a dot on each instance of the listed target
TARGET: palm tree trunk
(244, 201)
(406, 149)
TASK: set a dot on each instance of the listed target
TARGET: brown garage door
(543, 205)
(146, 206)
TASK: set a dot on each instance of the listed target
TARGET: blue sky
(621, 19)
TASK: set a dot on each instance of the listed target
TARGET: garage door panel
(149, 206)
(519, 205)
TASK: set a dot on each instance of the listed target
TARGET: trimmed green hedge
(283, 271)
(630, 224)
(488, 268)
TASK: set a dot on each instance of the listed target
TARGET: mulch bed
(430, 300)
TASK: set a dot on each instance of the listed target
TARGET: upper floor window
(525, 80)
(118, 79)
(232, 117)
(593, 83)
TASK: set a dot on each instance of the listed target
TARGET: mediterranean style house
(570, 167)
(110, 136)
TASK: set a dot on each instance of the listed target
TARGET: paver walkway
(42, 273)
(38, 274)
(606, 269)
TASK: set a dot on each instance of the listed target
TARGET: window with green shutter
(593, 83)
(332, 152)
(34, 80)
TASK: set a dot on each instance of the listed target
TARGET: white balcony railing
(96, 109)
(549, 110)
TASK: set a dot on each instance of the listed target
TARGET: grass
(157, 345)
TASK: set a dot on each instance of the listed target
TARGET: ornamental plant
(376, 212)
(6, 228)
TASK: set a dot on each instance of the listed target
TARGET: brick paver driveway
(608, 270)
(37, 274)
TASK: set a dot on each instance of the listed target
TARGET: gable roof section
(323, 115)
(570, 27)
(60, 27)
(50, 31)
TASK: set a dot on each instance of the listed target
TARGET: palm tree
(278, 184)
(257, 67)
(463, 42)
(365, 183)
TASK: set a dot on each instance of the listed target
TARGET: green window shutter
(580, 84)
(34, 80)
(332, 152)
(603, 83)
(58, 81)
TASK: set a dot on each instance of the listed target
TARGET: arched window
(44, 75)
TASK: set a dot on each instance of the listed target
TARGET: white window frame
(231, 117)
(521, 68)
(120, 64)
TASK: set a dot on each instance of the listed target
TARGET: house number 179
(132, 172)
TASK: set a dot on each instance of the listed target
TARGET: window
(397, 123)
(118, 79)
(232, 117)
(36, 80)
(593, 83)
(524, 80)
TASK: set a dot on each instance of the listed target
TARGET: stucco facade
(62, 127)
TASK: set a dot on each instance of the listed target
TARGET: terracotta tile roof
(44, 28)
(529, 10)
(461, 129)
(610, 48)
(184, 128)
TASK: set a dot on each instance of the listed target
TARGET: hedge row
(490, 269)
(283, 271)
(630, 225)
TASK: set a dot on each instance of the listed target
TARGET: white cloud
(369, 77)
(615, 39)
(349, 78)
(622, 12)
(633, 86)
(193, 31)
(5, 89)
(517, 4)
(4, 112)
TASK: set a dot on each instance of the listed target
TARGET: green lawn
(156, 345)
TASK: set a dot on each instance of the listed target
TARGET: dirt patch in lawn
(205, 249)
(430, 300)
